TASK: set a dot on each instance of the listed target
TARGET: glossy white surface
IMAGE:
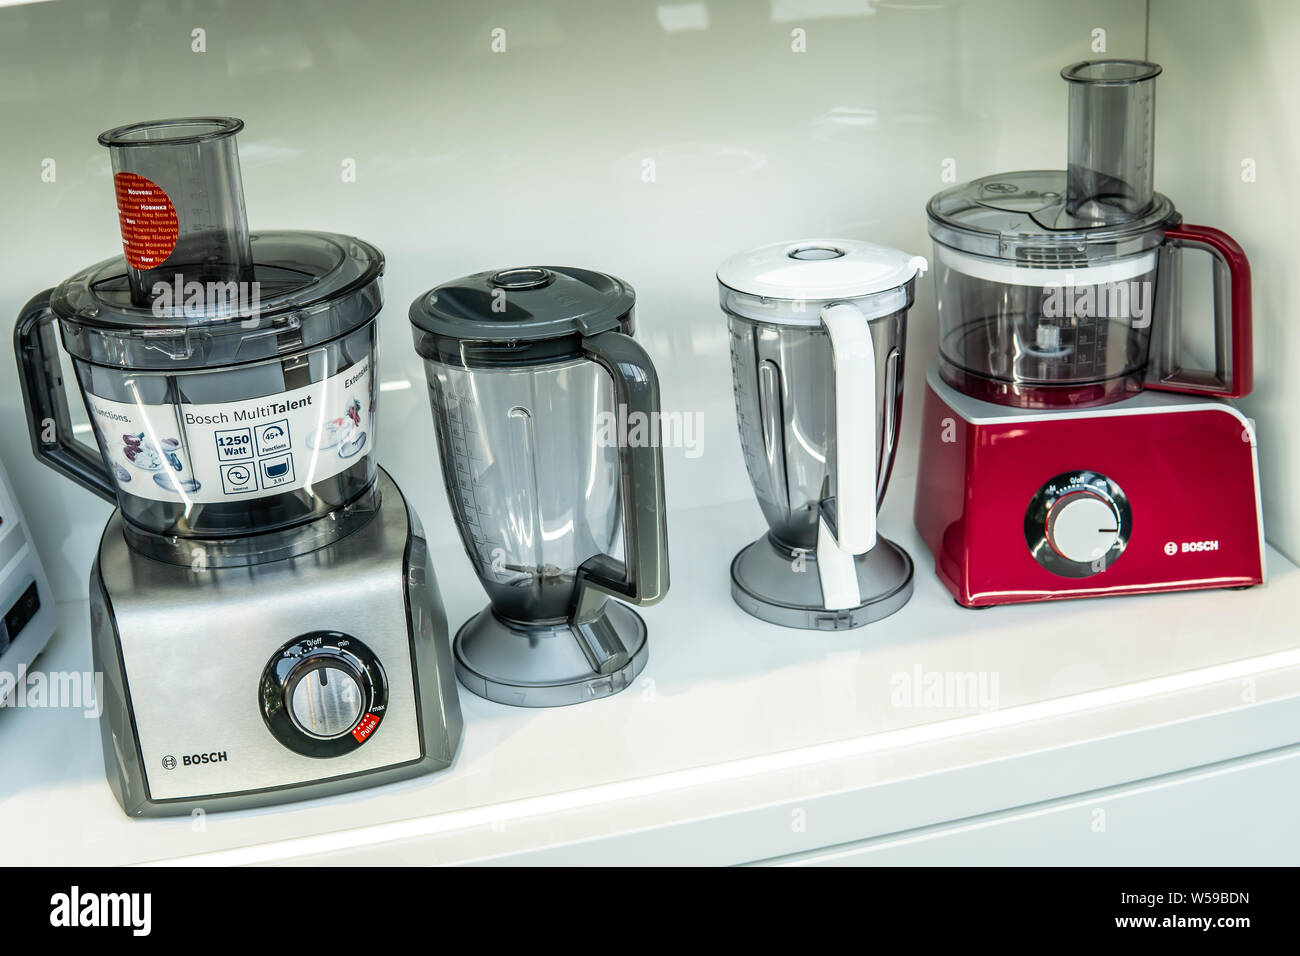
(736, 724)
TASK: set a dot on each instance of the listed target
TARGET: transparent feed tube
(1112, 139)
(180, 201)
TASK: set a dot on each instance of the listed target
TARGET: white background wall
(1229, 103)
(468, 160)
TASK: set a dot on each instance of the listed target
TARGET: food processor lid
(819, 270)
(313, 279)
(525, 305)
(1022, 215)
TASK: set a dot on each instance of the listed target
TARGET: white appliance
(27, 613)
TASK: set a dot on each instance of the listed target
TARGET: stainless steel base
(777, 585)
(183, 653)
(545, 665)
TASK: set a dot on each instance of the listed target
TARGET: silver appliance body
(195, 717)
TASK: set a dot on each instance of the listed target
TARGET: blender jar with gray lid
(546, 411)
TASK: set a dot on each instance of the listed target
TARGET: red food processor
(1076, 440)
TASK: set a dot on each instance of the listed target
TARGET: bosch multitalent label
(227, 450)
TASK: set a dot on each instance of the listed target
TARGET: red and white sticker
(148, 219)
(365, 728)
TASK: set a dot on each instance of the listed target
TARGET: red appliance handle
(1232, 320)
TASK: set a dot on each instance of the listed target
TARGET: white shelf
(738, 730)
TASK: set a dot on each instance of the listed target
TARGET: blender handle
(643, 578)
(1232, 319)
(853, 363)
(46, 399)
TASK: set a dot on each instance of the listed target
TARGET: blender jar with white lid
(818, 333)
(229, 377)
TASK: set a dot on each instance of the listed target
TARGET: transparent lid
(520, 313)
(193, 287)
(787, 282)
(1023, 216)
(305, 288)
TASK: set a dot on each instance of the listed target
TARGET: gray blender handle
(644, 577)
(46, 399)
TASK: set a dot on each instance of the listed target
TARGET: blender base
(184, 725)
(764, 583)
(544, 665)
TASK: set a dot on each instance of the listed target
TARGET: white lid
(819, 269)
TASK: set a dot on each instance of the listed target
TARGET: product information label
(248, 449)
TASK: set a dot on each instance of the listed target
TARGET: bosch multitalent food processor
(818, 330)
(1076, 442)
(263, 608)
(547, 414)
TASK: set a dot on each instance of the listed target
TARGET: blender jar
(533, 375)
(818, 332)
(232, 394)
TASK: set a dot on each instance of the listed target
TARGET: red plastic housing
(1189, 475)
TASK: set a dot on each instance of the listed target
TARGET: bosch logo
(169, 762)
(191, 760)
(1190, 547)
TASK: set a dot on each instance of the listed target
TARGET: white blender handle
(854, 366)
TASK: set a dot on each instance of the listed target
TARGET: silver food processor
(818, 332)
(547, 415)
(263, 607)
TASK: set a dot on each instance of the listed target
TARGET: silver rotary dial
(325, 699)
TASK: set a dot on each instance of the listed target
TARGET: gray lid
(531, 304)
(1022, 216)
(310, 287)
